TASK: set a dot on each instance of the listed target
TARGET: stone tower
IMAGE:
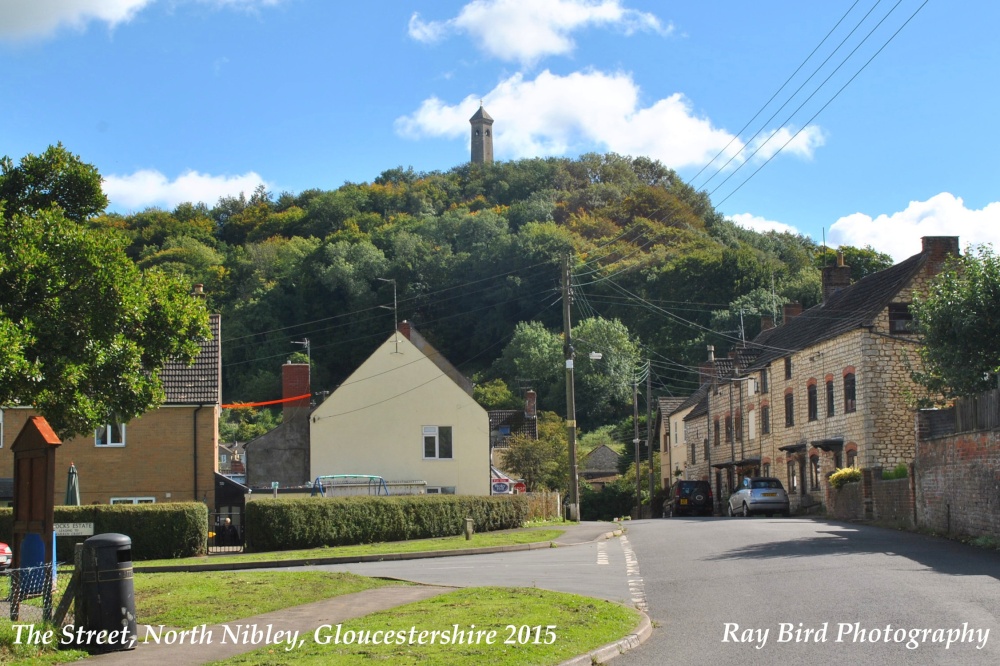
(482, 137)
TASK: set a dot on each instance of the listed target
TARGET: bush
(158, 531)
(844, 476)
(287, 524)
(900, 471)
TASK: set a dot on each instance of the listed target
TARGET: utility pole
(395, 312)
(638, 464)
(574, 484)
(649, 430)
(708, 414)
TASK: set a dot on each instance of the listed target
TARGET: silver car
(759, 494)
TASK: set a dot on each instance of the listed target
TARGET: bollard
(468, 528)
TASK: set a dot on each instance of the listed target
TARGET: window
(694, 451)
(738, 424)
(838, 460)
(112, 434)
(850, 405)
(729, 427)
(437, 442)
(765, 419)
(133, 500)
(829, 398)
(765, 469)
(763, 381)
(751, 426)
(431, 490)
(793, 480)
(223, 458)
(789, 410)
(788, 367)
(717, 435)
(900, 318)
(814, 472)
(813, 402)
(852, 458)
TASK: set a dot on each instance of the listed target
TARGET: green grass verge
(484, 540)
(184, 600)
(576, 625)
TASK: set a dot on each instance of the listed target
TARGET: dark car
(691, 498)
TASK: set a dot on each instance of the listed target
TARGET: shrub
(844, 476)
(900, 471)
(286, 524)
(157, 531)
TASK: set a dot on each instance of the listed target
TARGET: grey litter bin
(107, 594)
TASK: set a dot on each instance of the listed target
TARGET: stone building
(482, 137)
(830, 387)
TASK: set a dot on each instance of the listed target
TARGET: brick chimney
(294, 382)
(939, 248)
(766, 322)
(790, 311)
(404, 328)
(835, 278)
(530, 404)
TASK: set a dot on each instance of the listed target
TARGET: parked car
(759, 494)
(691, 498)
(6, 557)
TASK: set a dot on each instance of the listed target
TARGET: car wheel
(729, 511)
(746, 511)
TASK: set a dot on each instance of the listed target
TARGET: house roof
(850, 308)
(436, 357)
(516, 420)
(201, 382)
(669, 405)
(602, 460)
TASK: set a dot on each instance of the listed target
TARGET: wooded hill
(472, 252)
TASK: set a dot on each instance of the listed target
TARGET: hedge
(287, 524)
(158, 531)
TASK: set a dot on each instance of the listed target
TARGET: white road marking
(636, 588)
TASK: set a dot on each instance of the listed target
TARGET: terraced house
(830, 387)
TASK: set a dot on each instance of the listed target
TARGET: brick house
(169, 454)
(828, 388)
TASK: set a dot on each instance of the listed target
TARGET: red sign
(519, 487)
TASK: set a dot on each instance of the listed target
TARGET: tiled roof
(602, 460)
(201, 382)
(669, 405)
(850, 308)
(516, 420)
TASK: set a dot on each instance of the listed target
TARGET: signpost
(74, 529)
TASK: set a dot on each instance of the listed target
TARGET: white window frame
(432, 490)
(1, 428)
(108, 430)
(435, 433)
(133, 500)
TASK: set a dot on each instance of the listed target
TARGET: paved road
(700, 574)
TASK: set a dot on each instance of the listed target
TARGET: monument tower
(482, 136)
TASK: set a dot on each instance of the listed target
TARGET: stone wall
(888, 501)
(958, 483)
(845, 503)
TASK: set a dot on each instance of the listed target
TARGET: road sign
(74, 529)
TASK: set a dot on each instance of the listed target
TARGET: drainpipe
(194, 424)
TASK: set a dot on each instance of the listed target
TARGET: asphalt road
(716, 585)
(764, 591)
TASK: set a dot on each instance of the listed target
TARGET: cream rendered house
(406, 414)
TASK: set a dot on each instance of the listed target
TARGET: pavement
(200, 645)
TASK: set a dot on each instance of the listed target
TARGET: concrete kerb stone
(611, 650)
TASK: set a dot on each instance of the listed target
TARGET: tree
(959, 319)
(543, 463)
(56, 177)
(83, 333)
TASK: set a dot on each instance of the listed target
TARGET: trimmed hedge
(158, 531)
(287, 524)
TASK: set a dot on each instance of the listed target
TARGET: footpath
(305, 619)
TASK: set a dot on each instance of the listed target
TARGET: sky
(855, 122)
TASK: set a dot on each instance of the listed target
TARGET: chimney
(835, 278)
(294, 382)
(404, 328)
(530, 404)
(198, 291)
(939, 248)
(766, 322)
(791, 311)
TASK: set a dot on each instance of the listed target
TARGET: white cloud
(757, 223)
(146, 188)
(528, 31)
(28, 19)
(553, 114)
(38, 18)
(898, 234)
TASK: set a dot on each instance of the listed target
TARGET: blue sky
(189, 100)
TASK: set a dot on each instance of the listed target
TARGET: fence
(34, 584)
(544, 505)
(225, 532)
(979, 412)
